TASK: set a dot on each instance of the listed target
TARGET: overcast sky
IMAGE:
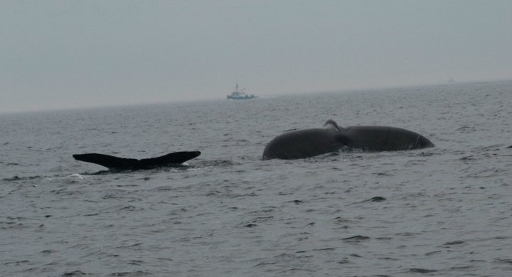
(71, 54)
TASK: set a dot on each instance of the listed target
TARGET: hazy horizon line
(265, 95)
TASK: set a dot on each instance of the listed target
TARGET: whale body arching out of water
(312, 142)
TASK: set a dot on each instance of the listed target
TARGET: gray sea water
(443, 211)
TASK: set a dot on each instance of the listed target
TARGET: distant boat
(240, 95)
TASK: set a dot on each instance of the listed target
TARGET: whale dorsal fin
(331, 124)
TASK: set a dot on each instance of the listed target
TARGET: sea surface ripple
(443, 211)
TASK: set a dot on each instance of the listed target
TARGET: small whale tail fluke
(115, 163)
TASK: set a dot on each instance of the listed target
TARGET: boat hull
(240, 98)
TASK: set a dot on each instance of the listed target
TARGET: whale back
(303, 143)
(383, 138)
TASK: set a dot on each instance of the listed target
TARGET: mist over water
(442, 211)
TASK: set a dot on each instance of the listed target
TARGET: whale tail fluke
(107, 161)
(176, 158)
(116, 163)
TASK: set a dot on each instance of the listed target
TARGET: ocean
(442, 211)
